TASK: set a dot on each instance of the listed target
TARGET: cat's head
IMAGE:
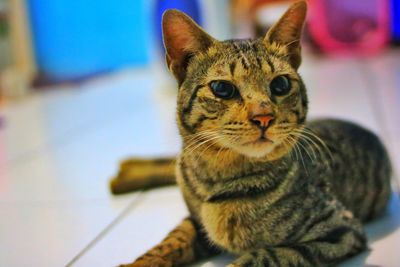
(242, 95)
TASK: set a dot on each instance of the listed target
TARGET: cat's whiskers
(302, 135)
(229, 138)
(212, 143)
(221, 137)
(288, 146)
(198, 140)
(196, 135)
(311, 134)
(308, 144)
(233, 139)
(304, 147)
(296, 146)
(217, 155)
(209, 139)
(194, 142)
(313, 145)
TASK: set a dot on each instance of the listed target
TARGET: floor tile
(147, 224)
(53, 233)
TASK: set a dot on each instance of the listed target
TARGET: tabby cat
(259, 181)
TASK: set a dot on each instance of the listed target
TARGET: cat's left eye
(280, 85)
(224, 89)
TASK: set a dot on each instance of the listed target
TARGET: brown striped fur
(296, 200)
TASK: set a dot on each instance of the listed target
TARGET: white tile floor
(58, 149)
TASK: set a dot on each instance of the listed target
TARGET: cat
(259, 180)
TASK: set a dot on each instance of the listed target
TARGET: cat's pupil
(280, 85)
(223, 89)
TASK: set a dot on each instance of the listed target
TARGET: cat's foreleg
(138, 174)
(183, 245)
(326, 249)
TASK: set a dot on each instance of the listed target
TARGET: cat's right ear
(182, 38)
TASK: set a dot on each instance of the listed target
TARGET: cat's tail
(139, 174)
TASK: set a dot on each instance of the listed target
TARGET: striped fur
(139, 174)
(297, 200)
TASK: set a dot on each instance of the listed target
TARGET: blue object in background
(75, 39)
(190, 7)
(396, 20)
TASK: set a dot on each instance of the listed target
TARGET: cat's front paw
(247, 264)
(239, 264)
(255, 259)
(149, 262)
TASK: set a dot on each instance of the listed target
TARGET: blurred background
(83, 85)
(44, 42)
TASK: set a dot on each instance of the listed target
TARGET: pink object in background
(349, 26)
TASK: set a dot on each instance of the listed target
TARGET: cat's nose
(262, 120)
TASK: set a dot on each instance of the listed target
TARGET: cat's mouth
(257, 147)
(263, 139)
(256, 144)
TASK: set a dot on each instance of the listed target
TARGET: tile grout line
(135, 202)
(377, 111)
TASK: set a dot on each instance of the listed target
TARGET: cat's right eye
(224, 89)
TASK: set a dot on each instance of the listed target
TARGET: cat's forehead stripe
(244, 60)
(232, 67)
(248, 51)
(270, 64)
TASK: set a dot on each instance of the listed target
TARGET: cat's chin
(261, 150)
(256, 150)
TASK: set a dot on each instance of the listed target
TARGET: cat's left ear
(287, 32)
